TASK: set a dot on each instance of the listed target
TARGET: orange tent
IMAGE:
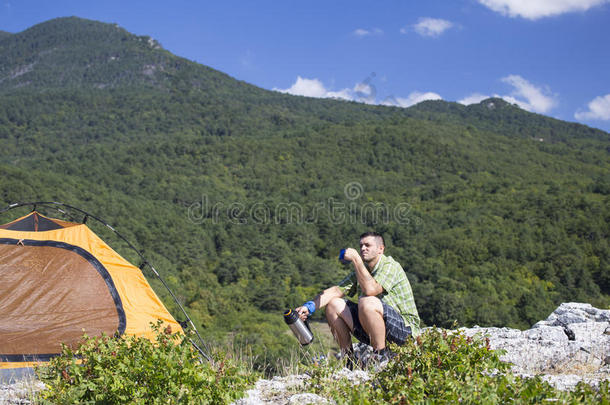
(58, 280)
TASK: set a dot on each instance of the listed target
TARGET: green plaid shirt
(396, 293)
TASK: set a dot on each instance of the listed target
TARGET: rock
(355, 377)
(283, 390)
(571, 345)
(21, 392)
(545, 333)
(306, 399)
(278, 390)
(572, 312)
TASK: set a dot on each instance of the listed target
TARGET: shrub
(441, 367)
(138, 371)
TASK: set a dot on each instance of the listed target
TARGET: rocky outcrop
(571, 345)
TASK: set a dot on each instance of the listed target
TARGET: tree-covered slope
(503, 118)
(72, 52)
(242, 197)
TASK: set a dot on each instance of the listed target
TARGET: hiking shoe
(379, 359)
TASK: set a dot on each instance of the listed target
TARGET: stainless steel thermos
(299, 328)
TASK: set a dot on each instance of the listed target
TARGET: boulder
(572, 344)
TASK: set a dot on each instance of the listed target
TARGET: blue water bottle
(342, 257)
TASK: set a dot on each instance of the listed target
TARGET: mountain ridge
(75, 52)
(498, 111)
(120, 59)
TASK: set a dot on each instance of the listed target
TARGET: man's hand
(367, 283)
(303, 313)
(352, 255)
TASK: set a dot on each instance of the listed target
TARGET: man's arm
(367, 283)
(321, 300)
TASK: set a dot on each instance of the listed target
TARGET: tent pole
(188, 318)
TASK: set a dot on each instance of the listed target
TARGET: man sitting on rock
(385, 311)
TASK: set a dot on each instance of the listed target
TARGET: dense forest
(242, 197)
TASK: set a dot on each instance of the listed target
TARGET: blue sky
(549, 56)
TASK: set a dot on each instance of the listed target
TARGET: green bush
(137, 371)
(441, 367)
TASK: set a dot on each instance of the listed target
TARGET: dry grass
(322, 347)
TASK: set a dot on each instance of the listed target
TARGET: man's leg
(370, 313)
(339, 319)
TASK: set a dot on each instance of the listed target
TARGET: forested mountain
(243, 197)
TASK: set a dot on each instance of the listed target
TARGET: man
(386, 309)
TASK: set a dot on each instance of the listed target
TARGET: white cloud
(528, 96)
(535, 9)
(525, 95)
(430, 27)
(361, 32)
(314, 88)
(412, 99)
(345, 94)
(363, 92)
(599, 109)
(306, 87)
(474, 98)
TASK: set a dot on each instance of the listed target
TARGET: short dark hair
(376, 235)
